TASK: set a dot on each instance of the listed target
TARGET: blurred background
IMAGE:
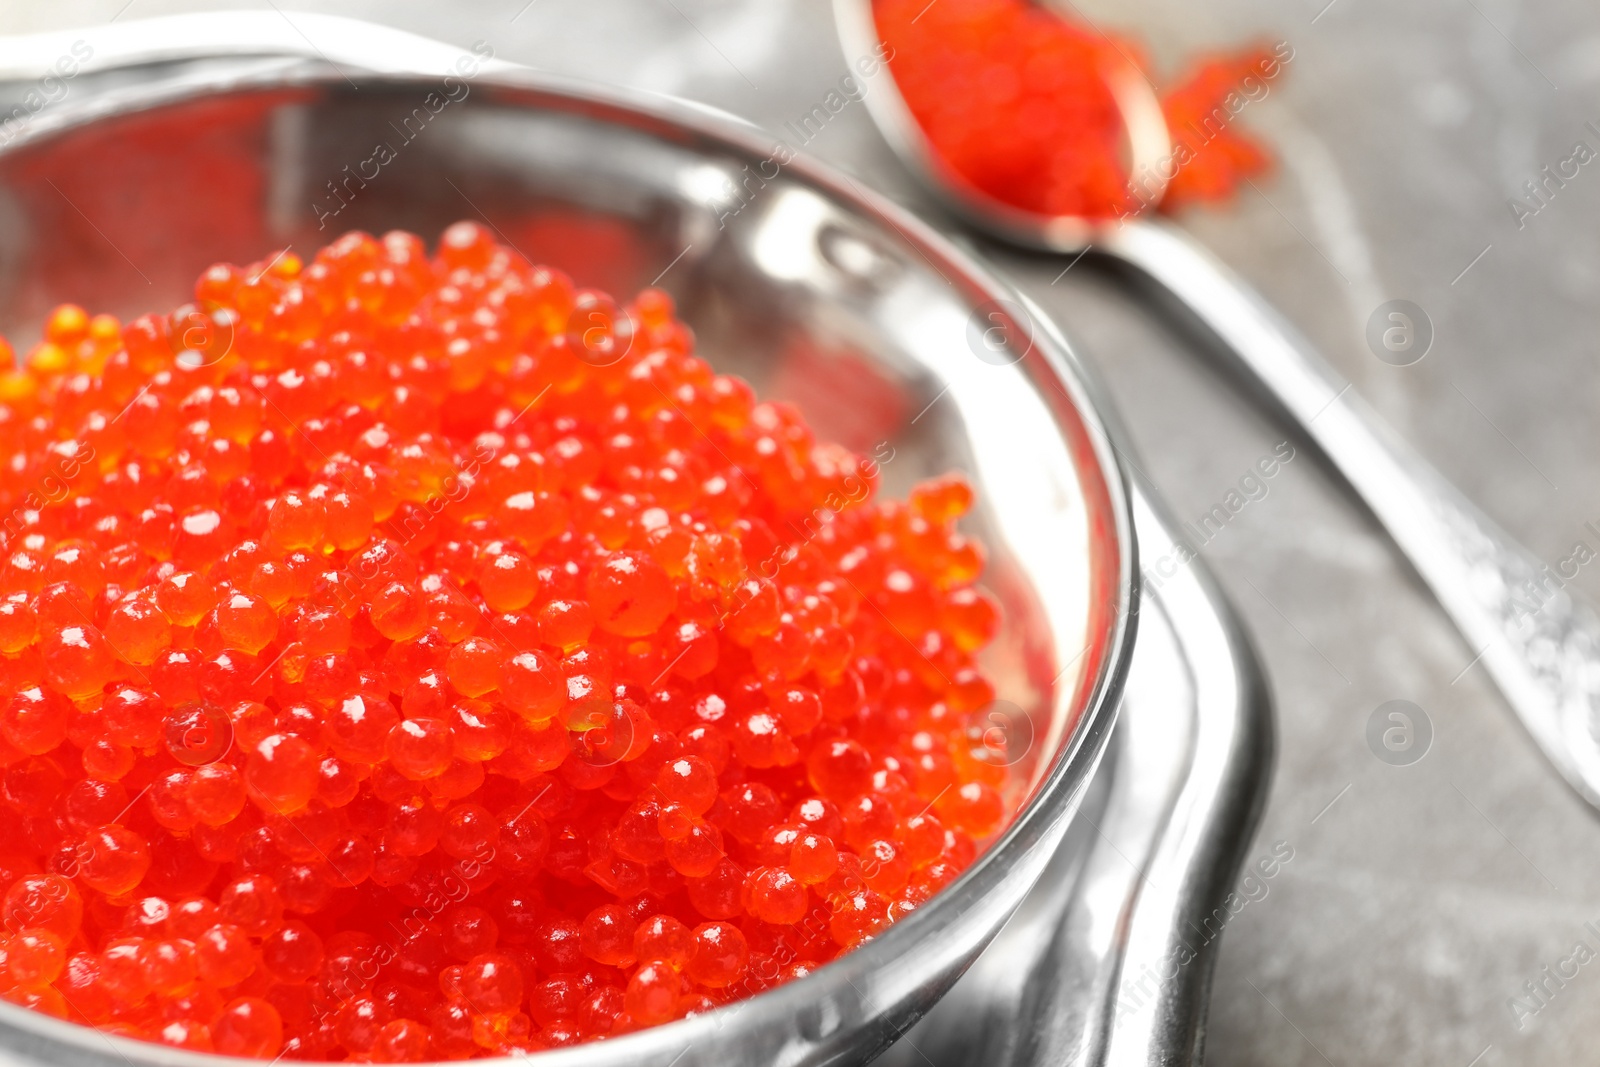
(1424, 891)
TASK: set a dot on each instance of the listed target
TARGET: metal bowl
(791, 274)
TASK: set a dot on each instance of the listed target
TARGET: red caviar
(415, 657)
(1015, 98)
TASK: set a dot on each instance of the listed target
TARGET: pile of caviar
(1015, 98)
(415, 657)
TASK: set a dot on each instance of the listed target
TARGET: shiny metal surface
(1539, 642)
(1534, 638)
(1108, 961)
(818, 291)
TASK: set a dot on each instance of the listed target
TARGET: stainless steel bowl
(822, 293)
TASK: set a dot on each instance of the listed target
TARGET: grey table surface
(1420, 898)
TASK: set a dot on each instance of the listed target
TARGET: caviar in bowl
(816, 294)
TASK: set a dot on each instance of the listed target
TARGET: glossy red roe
(1018, 98)
(437, 661)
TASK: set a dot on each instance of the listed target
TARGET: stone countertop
(1420, 898)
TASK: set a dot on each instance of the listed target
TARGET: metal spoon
(1539, 644)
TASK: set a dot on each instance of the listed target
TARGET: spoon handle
(1539, 644)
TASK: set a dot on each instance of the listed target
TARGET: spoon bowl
(1148, 144)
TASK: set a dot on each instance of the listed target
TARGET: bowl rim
(1093, 707)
